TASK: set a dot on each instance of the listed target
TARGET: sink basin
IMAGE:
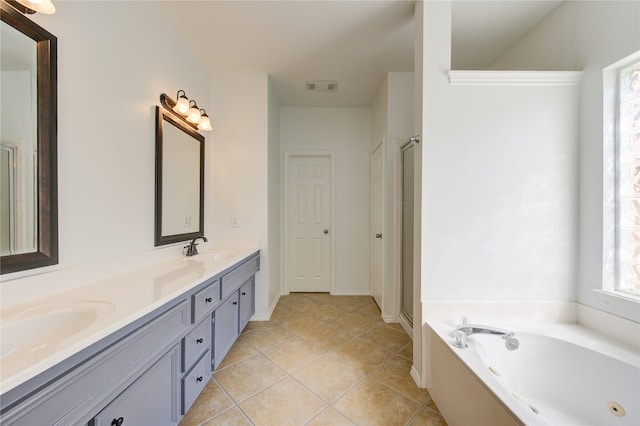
(210, 256)
(35, 332)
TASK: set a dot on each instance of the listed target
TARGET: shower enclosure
(406, 305)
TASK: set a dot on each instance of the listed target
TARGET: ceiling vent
(322, 86)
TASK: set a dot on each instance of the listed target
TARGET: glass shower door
(406, 306)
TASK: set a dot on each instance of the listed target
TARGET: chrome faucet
(192, 250)
(464, 330)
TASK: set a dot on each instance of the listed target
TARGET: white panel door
(376, 224)
(309, 223)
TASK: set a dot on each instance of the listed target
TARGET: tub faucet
(470, 329)
(464, 330)
(192, 248)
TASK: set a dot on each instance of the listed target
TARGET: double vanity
(133, 348)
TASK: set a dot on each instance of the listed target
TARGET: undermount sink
(34, 331)
(210, 256)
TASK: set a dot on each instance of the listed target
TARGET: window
(629, 179)
(622, 136)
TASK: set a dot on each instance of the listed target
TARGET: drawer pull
(117, 422)
(208, 300)
(200, 340)
(199, 379)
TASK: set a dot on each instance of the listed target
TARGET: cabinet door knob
(207, 300)
(200, 340)
(117, 422)
(326, 231)
(235, 303)
(244, 293)
(378, 235)
(198, 379)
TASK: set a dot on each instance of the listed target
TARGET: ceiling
(355, 42)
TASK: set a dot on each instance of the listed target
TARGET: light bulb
(182, 105)
(42, 6)
(194, 115)
(205, 123)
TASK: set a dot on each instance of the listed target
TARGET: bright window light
(627, 164)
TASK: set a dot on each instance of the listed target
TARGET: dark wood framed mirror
(33, 223)
(179, 207)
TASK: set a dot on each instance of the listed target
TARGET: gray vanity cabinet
(247, 303)
(225, 326)
(149, 401)
(113, 373)
(150, 371)
(237, 307)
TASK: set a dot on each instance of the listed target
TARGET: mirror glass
(179, 180)
(28, 114)
(18, 144)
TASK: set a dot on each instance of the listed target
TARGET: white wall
(499, 185)
(274, 201)
(239, 159)
(108, 84)
(114, 61)
(347, 132)
(419, 350)
(588, 35)
(401, 104)
(380, 135)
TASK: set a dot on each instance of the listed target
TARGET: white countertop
(84, 314)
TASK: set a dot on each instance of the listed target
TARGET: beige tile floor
(321, 360)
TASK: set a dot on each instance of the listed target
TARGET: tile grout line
(288, 313)
(351, 387)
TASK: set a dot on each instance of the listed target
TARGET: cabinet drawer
(194, 382)
(195, 343)
(239, 276)
(205, 300)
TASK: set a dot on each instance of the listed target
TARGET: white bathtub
(562, 374)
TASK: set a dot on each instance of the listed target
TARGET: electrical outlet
(187, 222)
(234, 221)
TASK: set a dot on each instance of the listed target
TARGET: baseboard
(416, 376)
(267, 316)
(406, 326)
(351, 293)
(387, 318)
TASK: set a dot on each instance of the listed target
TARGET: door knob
(379, 236)
(326, 231)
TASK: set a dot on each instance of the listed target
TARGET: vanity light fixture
(33, 6)
(187, 110)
